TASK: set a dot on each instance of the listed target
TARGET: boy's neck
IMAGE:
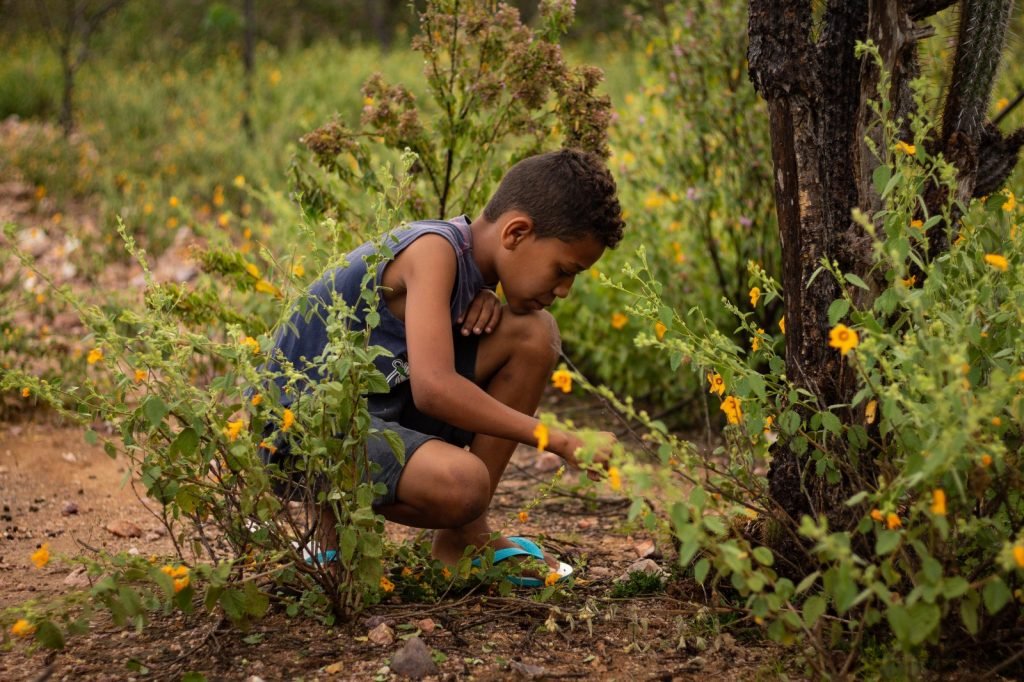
(486, 241)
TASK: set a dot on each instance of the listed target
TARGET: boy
(466, 370)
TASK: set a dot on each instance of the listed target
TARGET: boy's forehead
(582, 252)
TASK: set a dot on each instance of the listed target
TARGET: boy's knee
(537, 335)
(467, 493)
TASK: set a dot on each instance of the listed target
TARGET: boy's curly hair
(569, 194)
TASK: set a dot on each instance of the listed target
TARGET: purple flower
(745, 221)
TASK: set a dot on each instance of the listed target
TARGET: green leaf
(837, 310)
(763, 556)
(806, 583)
(887, 541)
(831, 422)
(996, 594)
(155, 410)
(49, 635)
(969, 615)
(184, 444)
(880, 178)
(900, 622)
(814, 607)
(700, 570)
(789, 422)
(856, 281)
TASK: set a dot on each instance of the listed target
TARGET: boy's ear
(515, 226)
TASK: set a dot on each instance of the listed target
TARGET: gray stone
(413, 660)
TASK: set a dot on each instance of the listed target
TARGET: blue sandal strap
(502, 554)
(529, 545)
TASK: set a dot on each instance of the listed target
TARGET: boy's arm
(437, 389)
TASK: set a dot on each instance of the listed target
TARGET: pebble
(426, 625)
(124, 529)
(382, 635)
(413, 660)
(69, 508)
(643, 566)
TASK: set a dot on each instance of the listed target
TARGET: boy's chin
(524, 307)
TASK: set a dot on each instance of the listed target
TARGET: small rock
(547, 461)
(645, 549)
(643, 566)
(152, 536)
(382, 635)
(124, 529)
(69, 508)
(133, 551)
(426, 625)
(413, 660)
(69, 457)
(254, 678)
(584, 524)
(77, 578)
(530, 672)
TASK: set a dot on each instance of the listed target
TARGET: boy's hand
(483, 314)
(565, 446)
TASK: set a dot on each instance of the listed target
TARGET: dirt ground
(57, 489)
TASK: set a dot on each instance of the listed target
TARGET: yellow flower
(233, 429)
(659, 330)
(755, 341)
(939, 502)
(917, 224)
(876, 515)
(224, 219)
(542, 435)
(998, 262)
(265, 287)
(95, 355)
(173, 201)
(870, 410)
(22, 628)
(446, 573)
(287, 420)
(562, 379)
(41, 556)
(782, 324)
(256, 400)
(997, 421)
(25, 392)
(716, 382)
(172, 222)
(239, 181)
(893, 521)
(1011, 201)
(986, 461)
(731, 407)
(274, 77)
(1002, 103)
(298, 270)
(1018, 555)
(909, 281)
(614, 478)
(140, 375)
(252, 343)
(619, 320)
(843, 338)
(654, 200)
(386, 585)
(180, 584)
(406, 572)
(252, 270)
(524, 517)
(907, 149)
(755, 295)
(551, 579)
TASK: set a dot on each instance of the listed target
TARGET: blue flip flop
(564, 570)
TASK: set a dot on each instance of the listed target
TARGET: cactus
(982, 32)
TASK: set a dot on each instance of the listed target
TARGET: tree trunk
(249, 62)
(818, 96)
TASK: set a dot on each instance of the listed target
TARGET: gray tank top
(305, 336)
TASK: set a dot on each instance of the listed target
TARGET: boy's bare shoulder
(429, 258)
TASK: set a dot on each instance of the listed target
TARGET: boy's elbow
(427, 396)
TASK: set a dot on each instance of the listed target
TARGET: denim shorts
(393, 411)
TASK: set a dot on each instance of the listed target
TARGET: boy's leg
(513, 364)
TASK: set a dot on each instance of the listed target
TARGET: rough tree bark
(818, 94)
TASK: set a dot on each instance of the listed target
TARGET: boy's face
(537, 270)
